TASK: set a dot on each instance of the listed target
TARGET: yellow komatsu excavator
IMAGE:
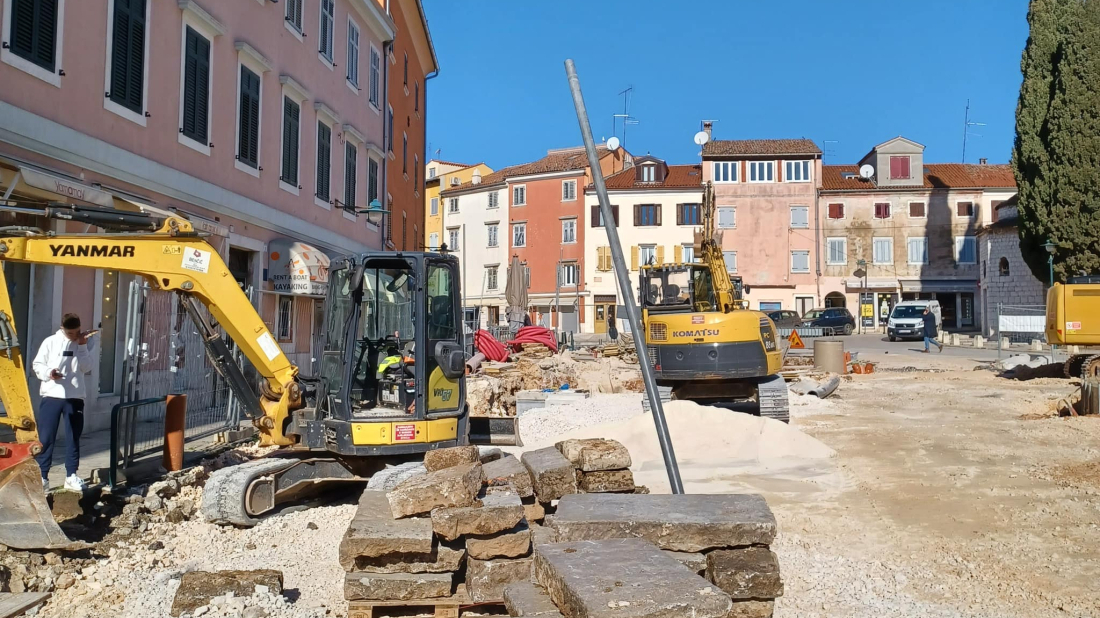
(703, 343)
(364, 411)
(1073, 318)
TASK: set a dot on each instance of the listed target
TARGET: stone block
(1036, 345)
(687, 522)
(595, 454)
(499, 510)
(542, 535)
(528, 600)
(512, 543)
(551, 473)
(605, 481)
(624, 578)
(374, 532)
(486, 579)
(450, 487)
(745, 573)
(397, 586)
(489, 453)
(197, 588)
(695, 561)
(979, 341)
(533, 512)
(752, 609)
(443, 458)
(509, 471)
(444, 558)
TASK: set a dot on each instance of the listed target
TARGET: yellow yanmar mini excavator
(390, 386)
(704, 343)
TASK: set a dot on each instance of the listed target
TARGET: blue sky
(855, 71)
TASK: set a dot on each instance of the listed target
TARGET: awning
(39, 184)
(125, 202)
(939, 285)
(871, 283)
(297, 268)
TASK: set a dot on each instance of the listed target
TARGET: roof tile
(753, 147)
(936, 176)
(679, 177)
(559, 161)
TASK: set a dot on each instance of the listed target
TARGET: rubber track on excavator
(223, 498)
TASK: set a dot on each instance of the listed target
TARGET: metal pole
(557, 298)
(621, 276)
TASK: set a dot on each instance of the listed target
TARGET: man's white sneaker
(74, 483)
(46, 484)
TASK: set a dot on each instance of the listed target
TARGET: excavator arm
(710, 253)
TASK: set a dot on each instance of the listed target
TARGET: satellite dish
(866, 171)
(613, 143)
(702, 137)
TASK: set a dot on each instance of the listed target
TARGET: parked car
(907, 319)
(837, 318)
(785, 318)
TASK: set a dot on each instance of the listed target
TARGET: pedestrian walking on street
(61, 364)
(930, 331)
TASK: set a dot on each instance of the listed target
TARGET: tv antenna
(830, 151)
(967, 123)
(627, 118)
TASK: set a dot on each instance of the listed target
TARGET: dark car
(785, 318)
(836, 318)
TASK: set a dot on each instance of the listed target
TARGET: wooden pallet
(446, 607)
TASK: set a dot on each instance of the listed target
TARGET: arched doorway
(835, 299)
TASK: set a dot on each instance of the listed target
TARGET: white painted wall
(474, 253)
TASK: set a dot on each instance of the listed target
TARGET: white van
(907, 319)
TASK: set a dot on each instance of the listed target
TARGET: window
(647, 254)
(404, 231)
(569, 274)
(494, 199)
(248, 148)
(433, 241)
(965, 209)
(836, 211)
(491, 232)
(491, 277)
(127, 54)
(883, 251)
(647, 215)
(687, 253)
(800, 217)
(527, 276)
(917, 210)
(519, 235)
(966, 250)
(404, 153)
(899, 168)
(284, 326)
(649, 173)
(882, 210)
(324, 160)
(993, 206)
(838, 251)
(689, 214)
(372, 180)
(726, 171)
(568, 190)
(730, 258)
(291, 116)
(800, 261)
(353, 55)
(196, 87)
(918, 250)
(519, 195)
(406, 78)
(351, 153)
(294, 14)
(431, 173)
(452, 204)
(761, 171)
(435, 206)
(33, 34)
(375, 71)
(597, 215)
(389, 129)
(727, 217)
(452, 239)
(603, 258)
(416, 98)
(796, 171)
(569, 231)
(416, 173)
(325, 29)
(1003, 267)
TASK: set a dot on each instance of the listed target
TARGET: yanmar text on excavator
(390, 384)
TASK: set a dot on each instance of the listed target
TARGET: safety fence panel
(807, 332)
(1021, 323)
(137, 430)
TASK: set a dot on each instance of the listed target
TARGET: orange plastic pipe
(175, 419)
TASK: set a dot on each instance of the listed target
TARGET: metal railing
(1021, 324)
(807, 332)
(137, 430)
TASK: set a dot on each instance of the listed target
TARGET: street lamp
(862, 264)
(1050, 247)
(375, 214)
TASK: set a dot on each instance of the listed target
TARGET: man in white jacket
(61, 364)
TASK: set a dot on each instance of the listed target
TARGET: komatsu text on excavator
(390, 382)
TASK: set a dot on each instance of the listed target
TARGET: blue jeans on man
(931, 340)
(51, 412)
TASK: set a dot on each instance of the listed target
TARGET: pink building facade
(262, 122)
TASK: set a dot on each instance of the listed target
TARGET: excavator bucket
(25, 518)
(495, 431)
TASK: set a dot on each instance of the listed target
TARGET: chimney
(708, 126)
(476, 177)
(983, 161)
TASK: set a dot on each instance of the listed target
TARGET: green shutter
(33, 31)
(249, 133)
(291, 112)
(350, 154)
(128, 54)
(196, 79)
(324, 150)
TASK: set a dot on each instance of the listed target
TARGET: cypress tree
(1056, 157)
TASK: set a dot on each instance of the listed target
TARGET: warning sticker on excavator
(196, 260)
(1071, 326)
(268, 345)
(796, 341)
(404, 433)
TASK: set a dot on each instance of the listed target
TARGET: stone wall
(1018, 287)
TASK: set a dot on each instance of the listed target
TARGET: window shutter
(634, 257)
(658, 208)
(324, 148)
(128, 54)
(677, 253)
(660, 254)
(679, 216)
(293, 119)
(349, 175)
(615, 214)
(637, 215)
(596, 216)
